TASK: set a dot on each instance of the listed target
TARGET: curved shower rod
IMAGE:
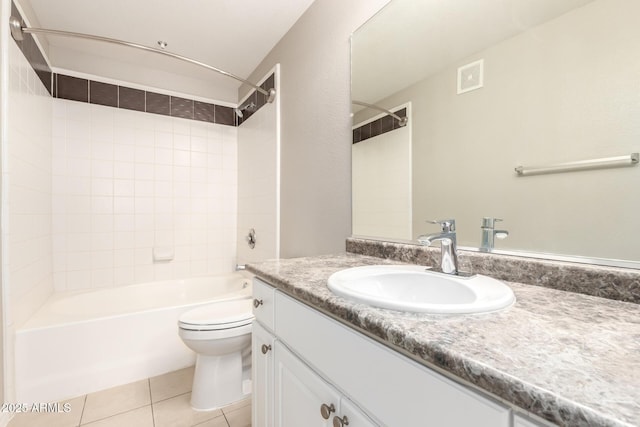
(18, 31)
(402, 121)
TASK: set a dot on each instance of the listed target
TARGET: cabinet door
(300, 393)
(262, 376)
(350, 415)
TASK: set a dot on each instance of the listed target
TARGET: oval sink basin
(413, 288)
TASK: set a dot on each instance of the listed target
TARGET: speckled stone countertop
(569, 358)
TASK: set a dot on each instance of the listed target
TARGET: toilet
(220, 335)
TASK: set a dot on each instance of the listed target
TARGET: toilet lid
(219, 315)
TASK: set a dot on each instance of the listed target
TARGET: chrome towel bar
(603, 163)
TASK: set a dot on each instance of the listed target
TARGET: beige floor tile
(171, 384)
(237, 405)
(141, 417)
(116, 400)
(216, 422)
(177, 412)
(49, 419)
(240, 417)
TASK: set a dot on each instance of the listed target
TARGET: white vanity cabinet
(303, 398)
(520, 421)
(262, 349)
(263, 301)
(317, 360)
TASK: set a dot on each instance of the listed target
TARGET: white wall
(258, 183)
(125, 182)
(27, 278)
(316, 125)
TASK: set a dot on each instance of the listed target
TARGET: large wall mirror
(489, 86)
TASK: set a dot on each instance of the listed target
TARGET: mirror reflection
(490, 86)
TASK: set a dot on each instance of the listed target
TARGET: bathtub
(85, 341)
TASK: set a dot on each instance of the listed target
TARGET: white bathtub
(81, 342)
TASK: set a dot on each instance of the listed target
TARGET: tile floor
(161, 401)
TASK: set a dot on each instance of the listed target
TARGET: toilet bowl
(220, 335)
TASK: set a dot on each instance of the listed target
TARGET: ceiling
(232, 35)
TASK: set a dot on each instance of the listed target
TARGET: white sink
(414, 288)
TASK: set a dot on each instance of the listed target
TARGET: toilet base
(217, 381)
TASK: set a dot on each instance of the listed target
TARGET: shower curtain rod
(18, 31)
(402, 120)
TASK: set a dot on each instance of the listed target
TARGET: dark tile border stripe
(256, 98)
(377, 127)
(73, 88)
(131, 99)
(32, 52)
(103, 94)
(83, 90)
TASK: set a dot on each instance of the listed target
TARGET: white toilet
(220, 334)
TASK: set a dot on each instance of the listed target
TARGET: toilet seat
(218, 316)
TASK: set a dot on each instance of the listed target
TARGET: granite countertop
(569, 358)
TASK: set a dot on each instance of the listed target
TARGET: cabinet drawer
(392, 388)
(263, 300)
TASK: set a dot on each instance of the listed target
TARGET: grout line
(153, 418)
(115, 415)
(172, 397)
(84, 404)
(225, 418)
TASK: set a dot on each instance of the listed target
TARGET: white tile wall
(125, 181)
(26, 236)
(381, 185)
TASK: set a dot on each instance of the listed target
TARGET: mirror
(489, 86)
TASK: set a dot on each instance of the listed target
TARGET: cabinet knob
(340, 422)
(326, 410)
(257, 303)
(265, 348)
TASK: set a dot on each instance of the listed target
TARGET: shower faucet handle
(251, 238)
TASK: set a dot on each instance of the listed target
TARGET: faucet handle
(490, 222)
(447, 225)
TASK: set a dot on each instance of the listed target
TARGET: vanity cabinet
(303, 398)
(317, 360)
(520, 421)
(262, 350)
(263, 304)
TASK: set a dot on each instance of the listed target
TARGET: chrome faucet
(449, 256)
(489, 233)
